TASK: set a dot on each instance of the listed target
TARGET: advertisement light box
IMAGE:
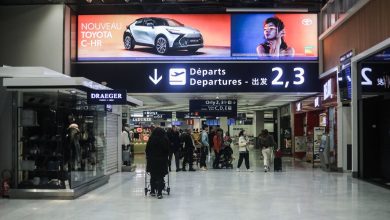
(143, 37)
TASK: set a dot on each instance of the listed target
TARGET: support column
(258, 122)
(223, 123)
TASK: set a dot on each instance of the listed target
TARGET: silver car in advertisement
(163, 34)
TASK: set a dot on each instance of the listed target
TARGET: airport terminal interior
(194, 109)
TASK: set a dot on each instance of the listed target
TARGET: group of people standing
(162, 145)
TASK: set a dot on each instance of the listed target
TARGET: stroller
(226, 158)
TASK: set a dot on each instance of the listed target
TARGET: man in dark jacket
(174, 140)
(188, 149)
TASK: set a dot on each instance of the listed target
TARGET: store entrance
(375, 133)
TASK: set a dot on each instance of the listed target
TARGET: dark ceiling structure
(173, 6)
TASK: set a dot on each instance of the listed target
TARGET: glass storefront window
(61, 141)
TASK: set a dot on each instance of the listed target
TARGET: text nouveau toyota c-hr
(163, 34)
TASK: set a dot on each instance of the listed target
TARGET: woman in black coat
(157, 151)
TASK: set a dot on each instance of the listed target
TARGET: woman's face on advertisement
(270, 31)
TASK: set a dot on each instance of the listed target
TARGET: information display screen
(144, 37)
(216, 108)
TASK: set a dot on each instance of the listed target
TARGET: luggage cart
(166, 188)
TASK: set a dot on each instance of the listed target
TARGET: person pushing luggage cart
(157, 152)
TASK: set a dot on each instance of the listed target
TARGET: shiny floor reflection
(299, 192)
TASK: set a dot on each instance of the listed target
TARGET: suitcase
(277, 164)
(126, 157)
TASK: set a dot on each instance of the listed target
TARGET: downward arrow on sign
(156, 79)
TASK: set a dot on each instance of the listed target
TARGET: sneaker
(265, 169)
(249, 170)
(203, 168)
(159, 196)
(238, 169)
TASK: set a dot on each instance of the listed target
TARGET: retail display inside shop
(61, 141)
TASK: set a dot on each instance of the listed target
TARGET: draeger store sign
(105, 97)
(208, 77)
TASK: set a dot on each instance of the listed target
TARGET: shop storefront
(373, 106)
(315, 127)
(63, 146)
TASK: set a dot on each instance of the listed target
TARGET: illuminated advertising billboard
(153, 37)
(143, 37)
(274, 36)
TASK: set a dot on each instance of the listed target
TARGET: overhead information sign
(206, 77)
(157, 114)
(214, 107)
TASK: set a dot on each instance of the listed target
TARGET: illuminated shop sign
(206, 77)
(145, 37)
(216, 108)
(141, 119)
(317, 102)
(157, 114)
(107, 97)
(375, 77)
(298, 106)
(328, 89)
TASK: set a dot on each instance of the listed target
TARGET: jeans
(243, 155)
(203, 154)
(267, 156)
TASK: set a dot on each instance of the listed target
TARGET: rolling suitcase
(277, 164)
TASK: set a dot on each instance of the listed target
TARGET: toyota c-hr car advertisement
(163, 34)
(243, 36)
(138, 37)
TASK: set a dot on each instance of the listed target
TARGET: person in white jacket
(243, 150)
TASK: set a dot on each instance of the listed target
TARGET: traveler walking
(267, 144)
(244, 152)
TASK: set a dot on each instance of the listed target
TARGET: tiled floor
(299, 192)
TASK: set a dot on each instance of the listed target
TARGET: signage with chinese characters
(214, 107)
(317, 102)
(107, 97)
(298, 106)
(328, 91)
(375, 77)
(157, 114)
(206, 77)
